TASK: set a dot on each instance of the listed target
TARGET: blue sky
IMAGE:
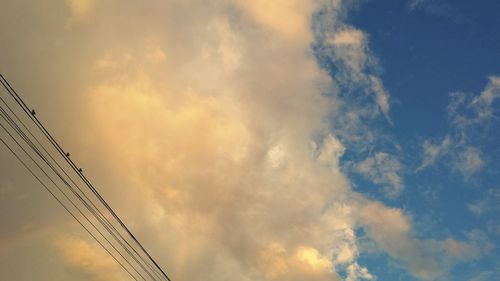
(285, 140)
(426, 52)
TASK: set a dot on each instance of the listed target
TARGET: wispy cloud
(385, 170)
(355, 66)
(429, 260)
(432, 152)
(468, 115)
(466, 111)
(439, 8)
(469, 161)
(490, 203)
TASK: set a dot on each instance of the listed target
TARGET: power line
(143, 259)
(63, 205)
(24, 137)
(92, 207)
(98, 215)
(65, 195)
(75, 168)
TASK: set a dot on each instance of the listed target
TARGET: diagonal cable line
(66, 183)
(26, 109)
(63, 205)
(151, 268)
(96, 212)
(23, 136)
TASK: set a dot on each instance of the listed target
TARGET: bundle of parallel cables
(30, 143)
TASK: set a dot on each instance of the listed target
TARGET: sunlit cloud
(467, 115)
(219, 137)
(385, 170)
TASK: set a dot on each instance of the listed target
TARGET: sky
(319, 140)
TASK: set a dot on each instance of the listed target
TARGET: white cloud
(392, 233)
(383, 169)
(89, 260)
(289, 18)
(432, 152)
(356, 272)
(381, 96)
(465, 111)
(350, 48)
(469, 161)
(477, 208)
(331, 152)
(441, 8)
(80, 9)
(210, 111)
(490, 203)
(356, 67)
(483, 104)
(348, 37)
(467, 115)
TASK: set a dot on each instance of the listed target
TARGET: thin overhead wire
(61, 190)
(144, 260)
(95, 212)
(78, 192)
(24, 137)
(64, 206)
(78, 171)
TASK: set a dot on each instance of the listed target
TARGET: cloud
(465, 111)
(88, 260)
(208, 129)
(155, 54)
(468, 115)
(470, 161)
(391, 230)
(344, 52)
(224, 159)
(381, 96)
(350, 48)
(229, 166)
(80, 9)
(349, 37)
(289, 18)
(487, 204)
(302, 263)
(440, 8)
(210, 178)
(432, 152)
(331, 152)
(383, 169)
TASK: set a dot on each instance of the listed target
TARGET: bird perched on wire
(33, 112)
(80, 170)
